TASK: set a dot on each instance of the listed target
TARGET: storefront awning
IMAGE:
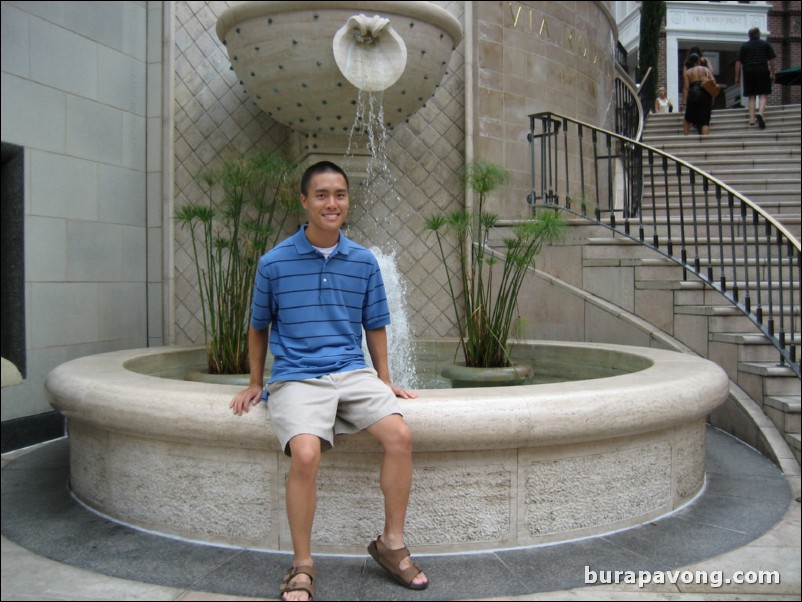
(788, 77)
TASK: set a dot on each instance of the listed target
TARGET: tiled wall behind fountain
(215, 120)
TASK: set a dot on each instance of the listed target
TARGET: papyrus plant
(486, 305)
(248, 202)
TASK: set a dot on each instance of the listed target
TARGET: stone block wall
(80, 98)
(533, 57)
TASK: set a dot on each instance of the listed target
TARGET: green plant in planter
(248, 203)
(486, 311)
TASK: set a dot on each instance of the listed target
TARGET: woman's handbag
(711, 87)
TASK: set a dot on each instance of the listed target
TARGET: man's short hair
(754, 33)
(317, 168)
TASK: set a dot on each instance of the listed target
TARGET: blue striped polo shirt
(316, 307)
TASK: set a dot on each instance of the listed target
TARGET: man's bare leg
(301, 504)
(395, 438)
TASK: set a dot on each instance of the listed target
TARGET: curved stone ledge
(494, 467)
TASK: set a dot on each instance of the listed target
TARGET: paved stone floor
(746, 520)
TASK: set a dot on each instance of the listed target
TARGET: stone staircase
(764, 166)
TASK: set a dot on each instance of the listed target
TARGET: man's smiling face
(326, 208)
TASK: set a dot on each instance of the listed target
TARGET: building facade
(718, 29)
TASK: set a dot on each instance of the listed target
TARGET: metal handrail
(629, 111)
(720, 236)
(646, 76)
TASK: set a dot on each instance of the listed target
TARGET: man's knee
(397, 437)
(305, 455)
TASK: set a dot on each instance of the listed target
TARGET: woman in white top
(662, 104)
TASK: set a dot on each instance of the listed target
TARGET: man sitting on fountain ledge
(315, 291)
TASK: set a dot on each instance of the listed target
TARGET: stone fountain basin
(282, 53)
(494, 467)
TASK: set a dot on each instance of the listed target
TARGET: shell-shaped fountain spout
(369, 53)
(369, 28)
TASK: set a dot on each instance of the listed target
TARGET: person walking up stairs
(763, 165)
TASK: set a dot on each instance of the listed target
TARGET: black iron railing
(621, 56)
(630, 119)
(630, 114)
(716, 234)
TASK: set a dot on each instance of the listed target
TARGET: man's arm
(737, 72)
(377, 347)
(257, 354)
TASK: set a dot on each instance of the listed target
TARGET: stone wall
(79, 98)
(533, 57)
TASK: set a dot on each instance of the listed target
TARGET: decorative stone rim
(106, 391)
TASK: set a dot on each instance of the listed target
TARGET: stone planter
(462, 376)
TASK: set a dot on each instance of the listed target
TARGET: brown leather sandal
(292, 573)
(390, 561)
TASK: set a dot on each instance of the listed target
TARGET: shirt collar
(302, 244)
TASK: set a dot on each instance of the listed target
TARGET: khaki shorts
(335, 404)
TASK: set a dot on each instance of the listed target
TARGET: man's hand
(403, 393)
(243, 401)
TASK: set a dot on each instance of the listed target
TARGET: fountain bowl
(494, 467)
(283, 55)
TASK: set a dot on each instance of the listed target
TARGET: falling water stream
(378, 186)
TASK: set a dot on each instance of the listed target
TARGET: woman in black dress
(698, 103)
